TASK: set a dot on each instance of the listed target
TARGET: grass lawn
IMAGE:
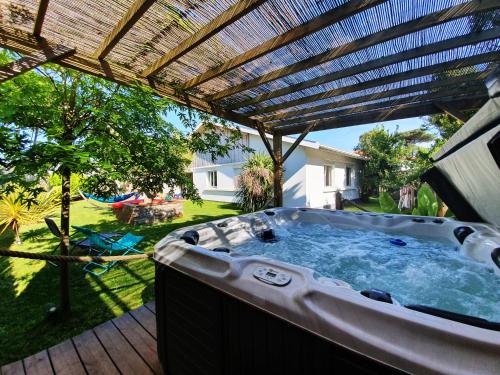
(29, 287)
(372, 205)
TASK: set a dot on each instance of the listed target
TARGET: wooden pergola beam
(432, 19)
(427, 70)
(401, 112)
(304, 133)
(26, 44)
(263, 136)
(396, 58)
(224, 19)
(40, 17)
(134, 14)
(451, 110)
(389, 105)
(459, 82)
(33, 60)
(316, 24)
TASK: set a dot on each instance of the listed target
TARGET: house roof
(279, 64)
(304, 143)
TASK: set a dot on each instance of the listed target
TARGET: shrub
(15, 212)
(387, 204)
(255, 184)
(427, 204)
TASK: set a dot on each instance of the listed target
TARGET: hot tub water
(423, 272)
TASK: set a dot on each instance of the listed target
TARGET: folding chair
(101, 245)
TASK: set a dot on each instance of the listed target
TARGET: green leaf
(387, 204)
(427, 202)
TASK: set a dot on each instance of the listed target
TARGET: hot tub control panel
(272, 276)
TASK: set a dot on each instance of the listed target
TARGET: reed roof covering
(280, 64)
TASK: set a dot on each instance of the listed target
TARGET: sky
(345, 138)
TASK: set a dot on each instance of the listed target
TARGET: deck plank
(146, 318)
(65, 360)
(141, 340)
(94, 357)
(38, 364)
(121, 352)
(14, 368)
(124, 345)
(151, 306)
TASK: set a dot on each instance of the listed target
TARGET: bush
(387, 204)
(255, 184)
(427, 204)
(16, 211)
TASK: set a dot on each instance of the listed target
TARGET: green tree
(383, 167)
(393, 159)
(60, 120)
(255, 183)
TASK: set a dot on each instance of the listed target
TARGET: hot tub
(306, 291)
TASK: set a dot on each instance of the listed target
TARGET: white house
(313, 172)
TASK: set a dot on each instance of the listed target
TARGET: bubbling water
(426, 272)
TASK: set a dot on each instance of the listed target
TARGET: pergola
(279, 66)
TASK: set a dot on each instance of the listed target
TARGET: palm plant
(255, 183)
(15, 212)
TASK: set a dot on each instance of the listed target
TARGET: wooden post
(278, 170)
(65, 244)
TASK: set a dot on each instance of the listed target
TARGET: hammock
(116, 198)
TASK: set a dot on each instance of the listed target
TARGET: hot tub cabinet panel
(204, 331)
(215, 315)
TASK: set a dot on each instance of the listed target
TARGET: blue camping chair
(101, 245)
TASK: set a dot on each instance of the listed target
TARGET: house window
(348, 176)
(212, 179)
(328, 176)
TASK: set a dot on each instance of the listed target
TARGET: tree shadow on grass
(25, 327)
(39, 235)
(8, 293)
(26, 324)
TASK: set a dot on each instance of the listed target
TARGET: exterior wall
(226, 182)
(317, 194)
(294, 186)
(303, 175)
(234, 156)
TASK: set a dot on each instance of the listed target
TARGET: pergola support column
(278, 169)
(276, 153)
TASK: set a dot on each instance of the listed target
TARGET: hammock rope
(73, 258)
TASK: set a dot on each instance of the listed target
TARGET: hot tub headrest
(377, 295)
(461, 233)
(191, 237)
(267, 235)
(495, 256)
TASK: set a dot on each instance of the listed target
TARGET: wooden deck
(124, 345)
